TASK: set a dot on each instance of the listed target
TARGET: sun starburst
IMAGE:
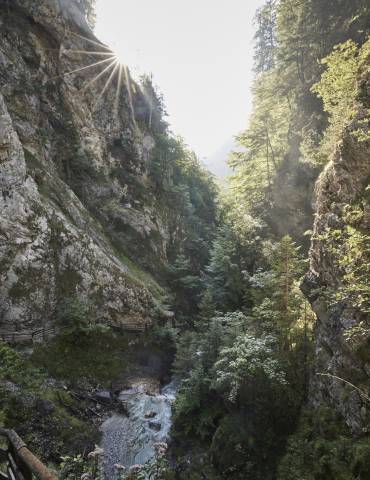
(111, 67)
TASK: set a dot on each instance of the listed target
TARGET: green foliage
(90, 467)
(247, 361)
(255, 361)
(156, 109)
(265, 37)
(186, 194)
(98, 357)
(223, 276)
(288, 266)
(16, 375)
(235, 375)
(275, 167)
(24, 396)
(195, 361)
(79, 467)
(349, 247)
(15, 369)
(185, 283)
(228, 370)
(157, 468)
(74, 317)
(339, 89)
(264, 143)
(323, 448)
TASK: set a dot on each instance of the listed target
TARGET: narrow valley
(158, 322)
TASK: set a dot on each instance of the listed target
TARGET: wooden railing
(129, 325)
(21, 463)
(28, 336)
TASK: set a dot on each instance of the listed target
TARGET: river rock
(155, 426)
(103, 396)
(45, 407)
(131, 440)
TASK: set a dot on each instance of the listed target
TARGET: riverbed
(129, 440)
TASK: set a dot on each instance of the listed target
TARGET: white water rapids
(130, 440)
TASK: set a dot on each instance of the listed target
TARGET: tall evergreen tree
(265, 37)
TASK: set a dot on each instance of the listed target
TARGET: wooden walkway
(28, 336)
(42, 334)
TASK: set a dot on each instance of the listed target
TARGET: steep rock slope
(342, 331)
(74, 194)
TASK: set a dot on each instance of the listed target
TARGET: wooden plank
(14, 467)
(10, 474)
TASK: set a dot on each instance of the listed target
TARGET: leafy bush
(75, 316)
(248, 361)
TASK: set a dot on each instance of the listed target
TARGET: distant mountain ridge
(216, 162)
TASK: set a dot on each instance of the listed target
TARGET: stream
(129, 440)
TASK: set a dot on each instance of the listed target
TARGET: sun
(112, 70)
(119, 57)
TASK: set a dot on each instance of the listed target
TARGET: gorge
(128, 274)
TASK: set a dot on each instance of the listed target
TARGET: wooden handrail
(130, 325)
(22, 463)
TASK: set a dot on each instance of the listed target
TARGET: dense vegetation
(243, 330)
(246, 363)
(60, 376)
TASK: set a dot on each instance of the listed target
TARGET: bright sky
(200, 53)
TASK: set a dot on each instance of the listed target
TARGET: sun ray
(128, 83)
(115, 62)
(87, 52)
(93, 80)
(118, 90)
(107, 83)
(83, 68)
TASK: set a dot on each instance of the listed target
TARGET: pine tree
(265, 37)
(288, 266)
(223, 277)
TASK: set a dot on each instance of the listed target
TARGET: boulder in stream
(155, 426)
(103, 396)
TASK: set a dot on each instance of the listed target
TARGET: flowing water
(129, 440)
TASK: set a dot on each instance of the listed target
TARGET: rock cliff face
(344, 182)
(75, 197)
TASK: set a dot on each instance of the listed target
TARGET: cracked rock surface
(75, 198)
(343, 182)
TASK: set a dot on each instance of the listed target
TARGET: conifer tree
(265, 37)
(288, 266)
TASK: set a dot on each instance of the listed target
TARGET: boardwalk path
(129, 325)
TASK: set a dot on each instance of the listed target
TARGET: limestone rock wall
(74, 194)
(343, 182)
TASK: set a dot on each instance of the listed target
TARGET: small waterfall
(129, 440)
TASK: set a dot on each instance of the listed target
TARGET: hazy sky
(200, 53)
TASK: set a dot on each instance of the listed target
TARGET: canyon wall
(342, 339)
(76, 202)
